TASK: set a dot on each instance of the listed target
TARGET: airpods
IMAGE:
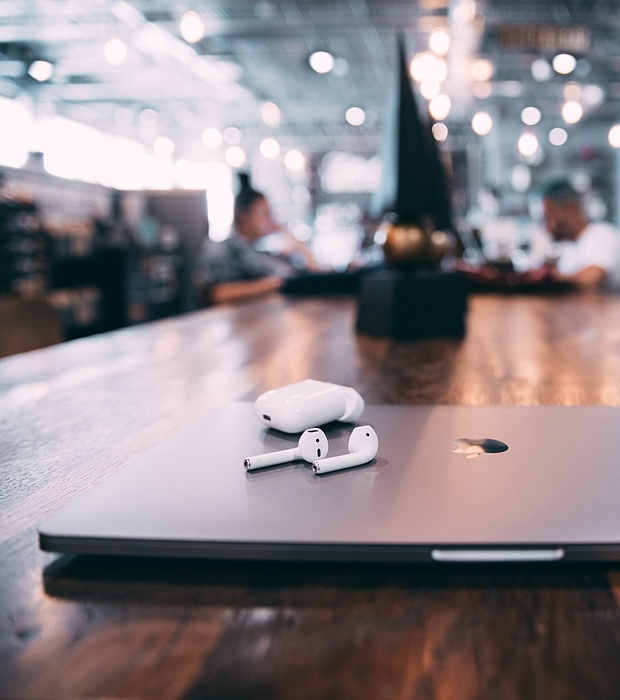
(312, 445)
(363, 446)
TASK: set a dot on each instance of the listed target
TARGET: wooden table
(88, 627)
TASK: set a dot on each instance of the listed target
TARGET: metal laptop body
(553, 495)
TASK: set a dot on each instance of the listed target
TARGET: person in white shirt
(589, 251)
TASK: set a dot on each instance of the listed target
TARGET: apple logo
(474, 448)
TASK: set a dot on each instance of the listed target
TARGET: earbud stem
(332, 464)
(270, 459)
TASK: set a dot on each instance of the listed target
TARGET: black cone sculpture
(414, 192)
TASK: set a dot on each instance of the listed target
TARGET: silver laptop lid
(553, 494)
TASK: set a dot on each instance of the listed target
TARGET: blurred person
(589, 251)
(235, 268)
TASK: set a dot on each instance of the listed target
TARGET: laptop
(449, 484)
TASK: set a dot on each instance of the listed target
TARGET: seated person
(234, 269)
(589, 251)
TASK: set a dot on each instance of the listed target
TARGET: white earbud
(312, 445)
(363, 446)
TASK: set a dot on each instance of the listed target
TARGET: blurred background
(123, 123)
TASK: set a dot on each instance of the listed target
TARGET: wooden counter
(88, 627)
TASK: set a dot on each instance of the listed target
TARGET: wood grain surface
(107, 627)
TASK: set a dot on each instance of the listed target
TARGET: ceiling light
(321, 61)
(564, 63)
(572, 112)
(511, 88)
(439, 107)
(115, 51)
(212, 137)
(163, 147)
(425, 65)
(583, 68)
(41, 70)
(148, 117)
(527, 144)
(592, 95)
(482, 90)
(541, 70)
(440, 131)
(521, 178)
(192, 27)
(482, 70)
(558, 136)
(530, 116)
(464, 11)
(482, 123)
(232, 135)
(439, 42)
(614, 136)
(270, 113)
(341, 67)
(295, 160)
(235, 156)
(269, 148)
(355, 116)
(429, 88)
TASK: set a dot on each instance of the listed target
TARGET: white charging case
(308, 404)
